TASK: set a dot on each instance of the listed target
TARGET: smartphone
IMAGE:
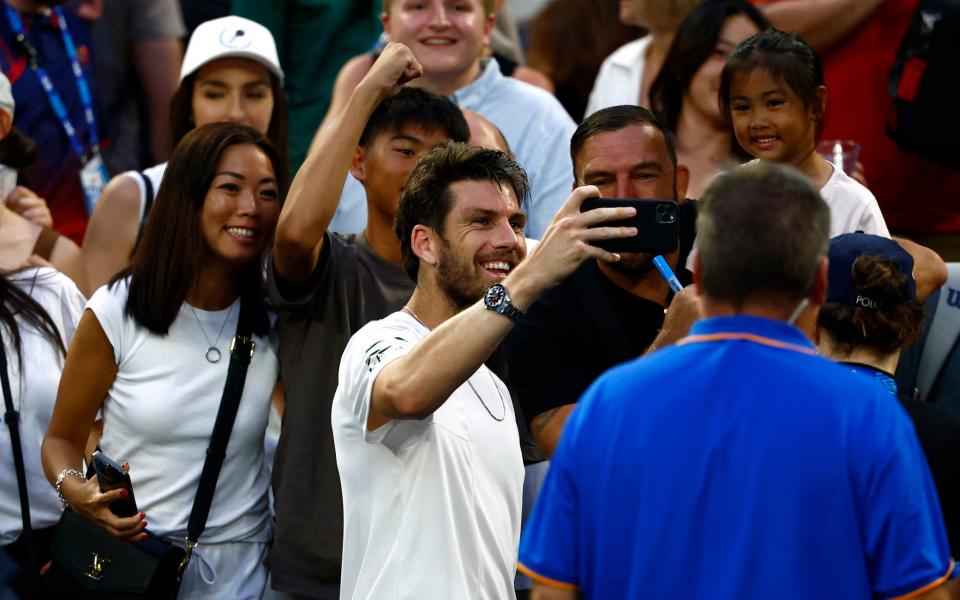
(657, 222)
(111, 476)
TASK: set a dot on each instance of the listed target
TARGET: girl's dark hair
(17, 149)
(693, 45)
(16, 303)
(890, 326)
(787, 58)
(182, 122)
(166, 264)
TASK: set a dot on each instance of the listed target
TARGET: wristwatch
(497, 299)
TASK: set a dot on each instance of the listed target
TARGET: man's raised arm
(315, 191)
(418, 383)
(821, 23)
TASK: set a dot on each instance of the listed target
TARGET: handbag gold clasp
(186, 557)
(95, 571)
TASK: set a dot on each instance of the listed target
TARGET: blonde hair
(661, 14)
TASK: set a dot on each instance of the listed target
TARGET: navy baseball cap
(848, 247)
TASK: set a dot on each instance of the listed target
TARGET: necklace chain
(213, 353)
(503, 403)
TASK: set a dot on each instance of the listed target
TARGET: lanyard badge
(93, 175)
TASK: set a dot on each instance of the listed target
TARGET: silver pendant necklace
(213, 353)
(503, 403)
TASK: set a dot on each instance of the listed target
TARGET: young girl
(772, 93)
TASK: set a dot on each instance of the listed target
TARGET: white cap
(231, 37)
(6, 96)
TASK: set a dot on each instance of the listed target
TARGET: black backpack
(925, 84)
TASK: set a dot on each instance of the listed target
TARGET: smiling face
(482, 240)
(701, 94)
(632, 162)
(770, 121)
(241, 207)
(237, 90)
(446, 36)
(385, 164)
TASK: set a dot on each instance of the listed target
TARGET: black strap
(241, 351)
(147, 205)
(12, 417)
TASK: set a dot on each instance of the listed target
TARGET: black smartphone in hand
(657, 222)
(111, 476)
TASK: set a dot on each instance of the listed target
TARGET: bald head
(485, 134)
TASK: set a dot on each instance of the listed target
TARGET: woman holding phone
(151, 355)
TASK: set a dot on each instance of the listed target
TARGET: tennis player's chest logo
(953, 298)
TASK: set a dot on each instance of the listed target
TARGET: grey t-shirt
(351, 286)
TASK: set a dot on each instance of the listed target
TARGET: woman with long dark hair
(230, 73)
(151, 355)
(39, 310)
(871, 314)
(685, 92)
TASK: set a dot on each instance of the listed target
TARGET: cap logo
(868, 302)
(235, 39)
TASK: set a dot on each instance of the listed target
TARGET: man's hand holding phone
(657, 222)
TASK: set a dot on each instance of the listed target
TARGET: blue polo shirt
(737, 464)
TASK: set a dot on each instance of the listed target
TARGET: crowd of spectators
(629, 299)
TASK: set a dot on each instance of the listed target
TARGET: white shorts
(229, 570)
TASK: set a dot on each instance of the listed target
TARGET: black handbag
(12, 418)
(90, 563)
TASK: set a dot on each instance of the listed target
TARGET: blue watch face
(495, 296)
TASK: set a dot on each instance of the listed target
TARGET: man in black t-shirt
(605, 313)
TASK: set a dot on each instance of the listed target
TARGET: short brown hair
(763, 230)
(426, 198)
(488, 6)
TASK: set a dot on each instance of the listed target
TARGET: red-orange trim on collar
(749, 337)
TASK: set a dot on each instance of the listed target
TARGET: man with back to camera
(426, 442)
(327, 286)
(739, 452)
(448, 39)
(605, 313)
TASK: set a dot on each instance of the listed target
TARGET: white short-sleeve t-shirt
(34, 379)
(159, 413)
(432, 506)
(852, 206)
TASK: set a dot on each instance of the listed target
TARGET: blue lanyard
(56, 102)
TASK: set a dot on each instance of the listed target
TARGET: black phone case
(657, 222)
(111, 476)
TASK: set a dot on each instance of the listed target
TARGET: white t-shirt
(619, 79)
(34, 391)
(432, 506)
(159, 413)
(852, 206)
